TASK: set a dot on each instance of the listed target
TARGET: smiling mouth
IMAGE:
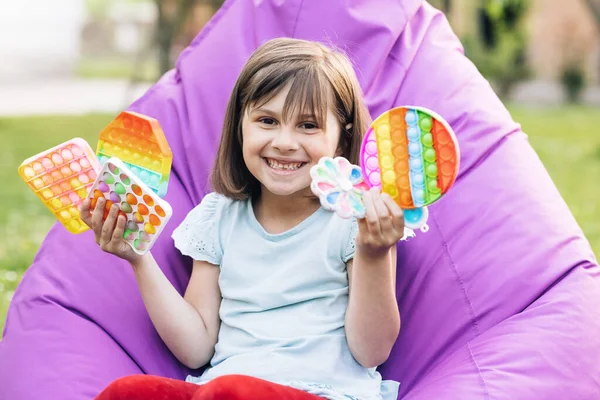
(279, 165)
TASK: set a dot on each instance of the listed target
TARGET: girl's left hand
(383, 225)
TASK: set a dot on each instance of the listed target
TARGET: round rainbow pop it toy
(146, 212)
(410, 153)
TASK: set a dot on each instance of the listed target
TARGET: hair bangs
(265, 85)
(308, 95)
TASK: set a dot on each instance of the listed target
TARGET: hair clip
(348, 126)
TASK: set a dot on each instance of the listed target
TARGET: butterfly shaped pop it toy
(145, 211)
(140, 143)
(61, 177)
(412, 154)
(339, 186)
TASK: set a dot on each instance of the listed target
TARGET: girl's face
(280, 153)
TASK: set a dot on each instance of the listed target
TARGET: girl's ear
(339, 152)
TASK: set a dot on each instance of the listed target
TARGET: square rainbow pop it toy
(140, 143)
(61, 177)
(410, 153)
(146, 213)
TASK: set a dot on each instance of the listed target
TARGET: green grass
(24, 220)
(568, 144)
(564, 138)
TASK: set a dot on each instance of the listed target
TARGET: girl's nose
(285, 140)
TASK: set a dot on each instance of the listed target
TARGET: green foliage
(498, 48)
(573, 81)
(507, 12)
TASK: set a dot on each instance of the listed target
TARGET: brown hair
(318, 75)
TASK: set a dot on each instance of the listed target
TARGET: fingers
(108, 227)
(85, 213)
(108, 232)
(119, 228)
(377, 215)
(97, 216)
(383, 224)
(370, 211)
(383, 214)
(396, 213)
(371, 220)
(103, 229)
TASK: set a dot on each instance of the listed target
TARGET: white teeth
(277, 165)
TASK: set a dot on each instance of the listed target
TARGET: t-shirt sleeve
(350, 247)
(198, 234)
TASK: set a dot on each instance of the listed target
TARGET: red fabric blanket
(231, 387)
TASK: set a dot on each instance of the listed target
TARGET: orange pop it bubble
(140, 143)
(411, 153)
(145, 211)
(61, 177)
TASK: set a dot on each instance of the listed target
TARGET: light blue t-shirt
(284, 299)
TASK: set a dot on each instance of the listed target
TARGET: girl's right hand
(109, 234)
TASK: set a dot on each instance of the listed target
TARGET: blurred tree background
(172, 18)
(166, 26)
(498, 33)
(497, 42)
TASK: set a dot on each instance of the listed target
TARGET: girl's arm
(372, 317)
(187, 324)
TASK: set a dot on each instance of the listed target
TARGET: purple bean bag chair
(499, 300)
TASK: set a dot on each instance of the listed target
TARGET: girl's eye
(267, 121)
(309, 126)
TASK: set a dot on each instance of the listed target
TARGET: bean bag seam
(474, 361)
(471, 310)
(515, 132)
(297, 18)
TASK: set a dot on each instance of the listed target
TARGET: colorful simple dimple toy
(339, 186)
(145, 211)
(410, 153)
(61, 177)
(139, 142)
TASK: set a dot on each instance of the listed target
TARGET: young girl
(286, 300)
